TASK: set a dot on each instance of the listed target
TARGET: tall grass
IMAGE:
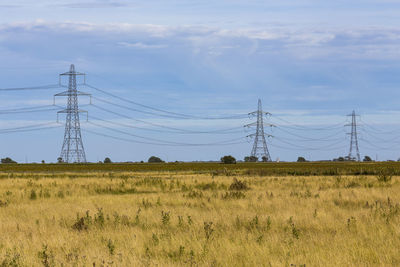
(198, 219)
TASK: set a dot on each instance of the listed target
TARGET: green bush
(228, 160)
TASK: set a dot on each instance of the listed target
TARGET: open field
(258, 169)
(200, 217)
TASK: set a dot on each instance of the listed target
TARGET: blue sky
(311, 63)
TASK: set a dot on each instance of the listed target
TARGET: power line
(152, 143)
(326, 138)
(43, 87)
(27, 126)
(181, 115)
(306, 128)
(162, 131)
(29, 130)
(159, 125)
(164, 141)
(307, 147)
(26, 110)
(304, 149)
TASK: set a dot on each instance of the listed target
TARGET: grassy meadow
(222, 216)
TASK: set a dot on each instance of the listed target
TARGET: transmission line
(159, 125)
(306, 128)
(181, 115)
(306, 147)
(162, 131)
(164, 141)
(326, 138)
(43, 87)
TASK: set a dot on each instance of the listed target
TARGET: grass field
(203, 216)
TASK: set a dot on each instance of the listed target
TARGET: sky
(310, 62)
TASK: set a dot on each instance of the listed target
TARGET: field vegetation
(273, 215)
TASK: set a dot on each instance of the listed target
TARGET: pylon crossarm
(68, 93)
(72, 111)
(72, 73)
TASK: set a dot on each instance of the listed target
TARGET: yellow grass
(279, 221)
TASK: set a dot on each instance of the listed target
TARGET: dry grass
(170, 219)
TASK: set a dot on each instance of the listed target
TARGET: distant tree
(154, 159)
(301, 159)
(7, 160)
(43, 162)
(250, 159)
(264, 159)
(107, 160)
(367, 158)
(340, 159)
(60, 160)
(228, 160)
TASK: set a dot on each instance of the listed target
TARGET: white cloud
(141, 45)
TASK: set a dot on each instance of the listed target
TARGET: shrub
(7, 160)
(251, 159)
(228, 160)
(154, 159)
(367, 159)
(301, 159)
(107, 160)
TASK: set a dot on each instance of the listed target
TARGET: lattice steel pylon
(260, 148)
(72, 149)
(353, 138)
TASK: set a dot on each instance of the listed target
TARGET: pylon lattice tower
(72, 149)
(260, 148)
(353, 138)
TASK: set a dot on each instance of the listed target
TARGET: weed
(295, 231)
(268, 223)
(194, 194)
(60, 194)
(33, 195)
(189, 219)
(99, 217)
(233, 195)
(385, 175)
(11, 259)
(165, 217)
(180, 220)
(111, 247)
(3, 203)
(146, 203)
(208, 229)
(155, 239)
(80, 224)
(238, 185)
(351, 223)
(46, 257)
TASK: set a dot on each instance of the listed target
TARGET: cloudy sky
(310, 62)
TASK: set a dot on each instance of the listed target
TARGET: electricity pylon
(353, 138)
(72, 149)
(260, 148)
